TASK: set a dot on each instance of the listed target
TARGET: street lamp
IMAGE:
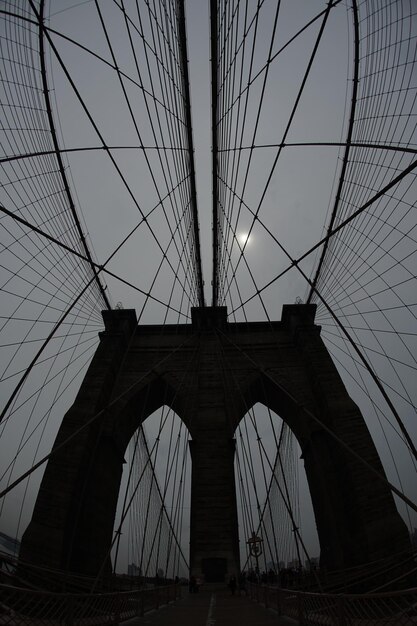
(255, 548)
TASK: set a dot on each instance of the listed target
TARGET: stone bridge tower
(211, 372)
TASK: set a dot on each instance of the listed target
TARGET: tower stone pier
(211, 373)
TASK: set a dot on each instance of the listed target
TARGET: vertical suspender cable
(215, 225)
(186, 92)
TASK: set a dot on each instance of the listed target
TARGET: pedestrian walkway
(211, 609)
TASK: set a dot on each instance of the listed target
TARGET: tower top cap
(209, 317)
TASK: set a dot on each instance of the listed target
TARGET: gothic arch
(147, 482)
(346, 498)
(137, 405)
(257, 441)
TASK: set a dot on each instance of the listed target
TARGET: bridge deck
(207, 608)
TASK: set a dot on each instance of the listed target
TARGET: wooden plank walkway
(206, 608)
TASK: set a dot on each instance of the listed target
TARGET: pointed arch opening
(152, 525)
(277, 529)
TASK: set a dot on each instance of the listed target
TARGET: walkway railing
(39, 608)
(317, 609)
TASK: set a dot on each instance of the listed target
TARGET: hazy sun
(244, 238)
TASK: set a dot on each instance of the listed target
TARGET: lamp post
(255, 548)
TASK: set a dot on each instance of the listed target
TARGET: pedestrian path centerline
(210, 617)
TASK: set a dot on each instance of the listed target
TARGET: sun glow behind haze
(244, 238)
